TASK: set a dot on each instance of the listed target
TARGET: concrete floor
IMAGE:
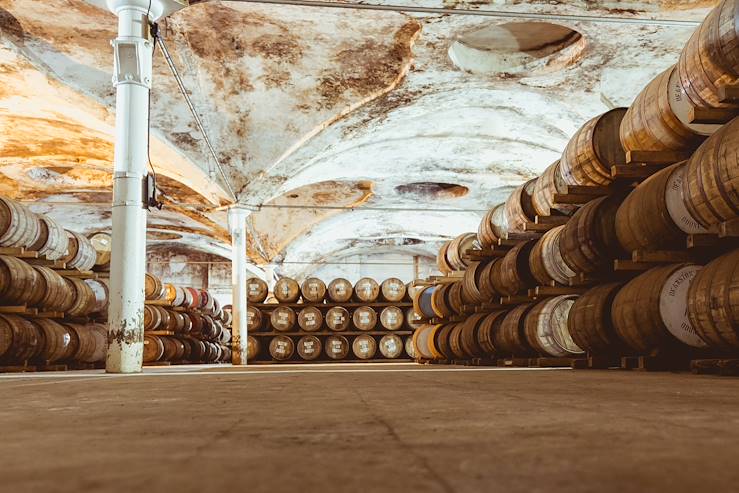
(369, 428)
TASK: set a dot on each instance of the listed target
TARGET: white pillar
(239, 338)
(132, 79)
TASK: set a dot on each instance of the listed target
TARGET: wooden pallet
(718, 366)
(515, 362)
(591, 362)
(323, 359)
(548, 362)
(655, 363)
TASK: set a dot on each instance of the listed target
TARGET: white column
(237, 222)
(132, 79)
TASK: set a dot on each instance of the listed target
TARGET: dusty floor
(370, 428)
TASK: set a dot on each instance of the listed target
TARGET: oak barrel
(153, 288)
(519, 208)
(549, 183)
(588, 242)
(713, 302)
(392, 318)
(281, 348)
(653, 216)
(589, 321)
(256, 290)
(546, 327)
(594, 148)
(487, 331)
(153, 348)
(336, 347)
(310, 319)
(711, 181)
(499, 221)
(364, 318)
(338, 318)
(313, 290)
(471, 282)
(545, 261)
(340, 290)
(456, 250)
(80, 253)
(469, 332)
(19, 227)
(287, 290)
(393, 290)
(510, 338)
(364, 346)
(57, 344)
(102, 243)
(254, 320)
(441, 261)
(441, 341)
(486, 236)
(252, 348)
(512, 274)
(410, 348)
(27, 338)
(650, 311)
(390, 346)
(309, 347)
(412, 319)
(83, 296)
(55, 294)
(366, 290)
(17, 281)
(423, 342)
(52, 242)
(283, 318)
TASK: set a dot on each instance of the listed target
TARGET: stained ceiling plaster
(294, 98)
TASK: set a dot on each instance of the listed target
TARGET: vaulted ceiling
(439, 114)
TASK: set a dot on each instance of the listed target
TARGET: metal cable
(484, 13)
(198, 121)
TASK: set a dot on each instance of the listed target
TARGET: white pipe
(240, 335)
(132, 79)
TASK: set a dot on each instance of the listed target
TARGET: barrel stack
(623, 252)
(339, 321)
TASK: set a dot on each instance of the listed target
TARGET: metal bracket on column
(132, 62)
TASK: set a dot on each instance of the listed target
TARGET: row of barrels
(185, 297)
(21, 228)
(314, 290)
(667, 307)
(43, 288)
(48, 341)
(333, 347)
(338, 318)
(204, 327)
(175, 349)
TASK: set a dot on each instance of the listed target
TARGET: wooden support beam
(729, 93)
(662, 256)
(708, 116)
(634, 171)
(622, 265)
(572, 198)
(729, 229)
(655, 157)
(552, 220)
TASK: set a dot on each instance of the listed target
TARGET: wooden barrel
(254, 319)
(455, 299)
(713, 302)
(485, 281)
(412, 319)
(588, 242)
(510, 338)
(313, 290)
(546, 328)
(366, 290)
(197, 349)
(391, 346)
(27, 339)
(392, 318)
(256, 290)
(102, 243)
(281, 348)
(542, 198)
(197, 321)
(594, 148)
(178, 322)
(17, 281)
(100, 295)
(423, 342)
(225, 336)
(152, 318)
(309, 348)
(310, 319)
(486, 236)
(410, 348)
(340, 290)
(545, 261)
(83, 296)
(440, 301)
(709, 59)
(168, 321)
(207, 302)
(86, 342)
(468, 340)
(171, 349)
(653, 216)
(6, 337)
(711, 181)
(54, 293)
(57, 343)
(287, 290)
(364, 346)
(153, 348)
(455, 342)
(52, 242)
(364, 318)
(252, 348)
(336, 347)
(441, 261)
(518, 207)
(442, 343)
(392, 290)
(99, 332)
(653, 121)
(589, 321)
(471, 282)
(514, 274)
(80, 253)
(499, 221)
(283, 318)
(19, 227)
(487, 331)
(338, 319)
(456, 250)
(153, 287)
(650, 311)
